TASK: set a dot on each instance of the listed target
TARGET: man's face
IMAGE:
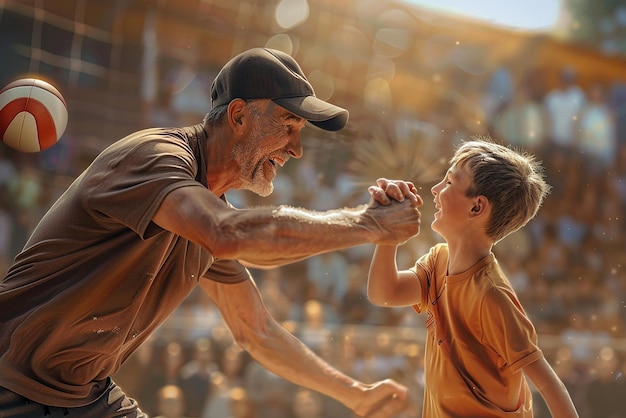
(273, 137)
(451, 202)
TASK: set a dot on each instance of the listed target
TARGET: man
(148, 221)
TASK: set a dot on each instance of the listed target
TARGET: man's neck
(221, 167)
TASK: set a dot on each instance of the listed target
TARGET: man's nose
(294, 148)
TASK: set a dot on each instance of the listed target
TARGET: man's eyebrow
(294, 117)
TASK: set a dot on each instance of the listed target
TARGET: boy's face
(452, 204)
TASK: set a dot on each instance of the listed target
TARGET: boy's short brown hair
(513, 181)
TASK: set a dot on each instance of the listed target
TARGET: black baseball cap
(263, 73)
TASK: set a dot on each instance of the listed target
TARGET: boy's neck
(463, 255)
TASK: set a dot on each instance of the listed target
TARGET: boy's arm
(386, 286)
(551, 388)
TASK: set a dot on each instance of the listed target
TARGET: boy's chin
(435, 228)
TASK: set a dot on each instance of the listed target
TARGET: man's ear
(236, 112)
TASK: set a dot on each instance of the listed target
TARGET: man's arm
(282, 353)
(279, 235)
(551, 388)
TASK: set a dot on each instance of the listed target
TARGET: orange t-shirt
(479, 338)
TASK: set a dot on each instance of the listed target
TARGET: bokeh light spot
(281, 42)
(291, 13)
(323, 84)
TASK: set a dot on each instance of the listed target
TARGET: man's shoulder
(166, 135)
(147, 147)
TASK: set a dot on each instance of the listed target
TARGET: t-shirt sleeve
(227, 271)
(507, 329)
(128, 188)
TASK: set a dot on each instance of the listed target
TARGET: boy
(479, 339)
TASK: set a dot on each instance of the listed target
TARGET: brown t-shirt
(97, 276)
(479, 339)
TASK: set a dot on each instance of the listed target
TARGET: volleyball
(33, 115)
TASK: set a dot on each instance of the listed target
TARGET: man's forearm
(286, 356)
(285, 234)
(278, 235)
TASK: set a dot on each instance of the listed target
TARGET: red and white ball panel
(33, 115)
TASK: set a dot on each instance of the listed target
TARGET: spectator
(552, 255)
(353, 307)
(328, 272)
(617, 102)
(497, 92)
(516, 269)
(241, 405)
(271, 394)
(188, 86)
(579, 339)
(314, 330)
(564, 105)
(233, 364)
(139, 379)
(604, 396)
(171, 402)
(278, 302)
(161, 367)
(218, 404)
(596, 138)
(521, 123)
(195, 377)
(307, 404)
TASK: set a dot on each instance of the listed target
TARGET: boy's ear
(480, 206)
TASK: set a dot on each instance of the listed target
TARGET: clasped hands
(386, 190)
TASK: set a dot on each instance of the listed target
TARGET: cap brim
(320, 113)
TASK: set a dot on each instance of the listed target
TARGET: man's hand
(398, 190)
(383, 399)
(394, 210)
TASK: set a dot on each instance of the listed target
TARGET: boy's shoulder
(436, 256)
(440, 249)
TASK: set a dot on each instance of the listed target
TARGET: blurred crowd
(567, 267)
